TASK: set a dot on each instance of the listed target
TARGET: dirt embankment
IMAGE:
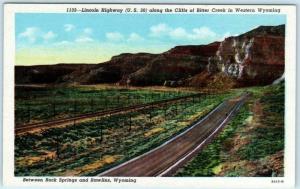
(251, 145)
(257, 148)
(269, 165)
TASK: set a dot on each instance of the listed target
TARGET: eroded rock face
(177, 64)
(117, 69)
(253, 58)
(167, 67)
(195, 50)
(258, 54)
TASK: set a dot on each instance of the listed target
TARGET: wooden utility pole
(105, 103)
(74, 113)
(101, 133)
(28, 113)
(150, 112)
(129, 122)
(165, 111)
(54, 108)
(92, 105)
(57, 141)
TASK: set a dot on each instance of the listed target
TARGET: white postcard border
(169, 182)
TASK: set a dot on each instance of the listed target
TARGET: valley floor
(87, 149)
(251, 144)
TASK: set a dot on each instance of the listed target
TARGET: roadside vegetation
(251, 144)
(38, 104)
(91, 147)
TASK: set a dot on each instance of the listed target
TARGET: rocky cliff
(115, 70)
(256, 57)
(177, 64)
(253, 58)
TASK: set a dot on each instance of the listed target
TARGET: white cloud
(196, 34)
(202, 33)
(159, 30)
(87, 31)
(63, 43)
(225, 35)
(69, 27)
(49, 35)
(178, 33)
(83, 39)
(30, 33)
(85, 36)
(114, 36)
(134, 37)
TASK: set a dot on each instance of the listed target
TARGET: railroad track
(20, 129)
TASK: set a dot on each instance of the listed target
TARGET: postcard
(161, 95)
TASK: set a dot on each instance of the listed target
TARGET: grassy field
(92, 147)
(251, 144)
(38, 104)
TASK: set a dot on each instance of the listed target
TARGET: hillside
(253, 58)
(48, 74)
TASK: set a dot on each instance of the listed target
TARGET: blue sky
(94, 38)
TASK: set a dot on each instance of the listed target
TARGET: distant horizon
(50, 39)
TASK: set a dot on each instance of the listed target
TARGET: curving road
(168, 157)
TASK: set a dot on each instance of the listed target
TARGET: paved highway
(168, 157)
